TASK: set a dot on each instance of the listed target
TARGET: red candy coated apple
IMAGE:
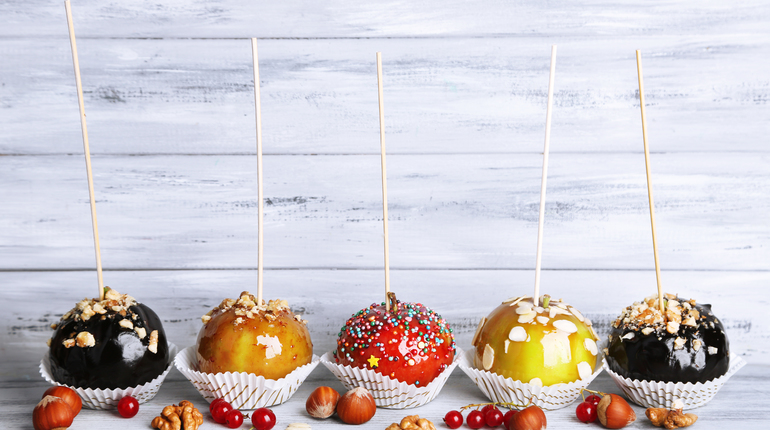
(410, 343)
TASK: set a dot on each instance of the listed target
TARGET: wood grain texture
(447, 211)
(444, 95)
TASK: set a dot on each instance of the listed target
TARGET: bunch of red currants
(489, 415)
(223, 413)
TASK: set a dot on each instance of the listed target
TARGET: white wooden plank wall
(168, 94)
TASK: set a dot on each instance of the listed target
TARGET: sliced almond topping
(516, 302)
(518, 334)
(489, 357)
(577, 314)
(566, 326)
(542, 319)
(506, 343)
(537, 382)
(527, 317)
(590, 346)
(524, 308)
(584, 370)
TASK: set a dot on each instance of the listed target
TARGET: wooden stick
(649, 179)
(86, 149)
(384, 180)
(260, 198)
(544, 180)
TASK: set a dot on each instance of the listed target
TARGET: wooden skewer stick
(544, 180)
(384, 181)
(86, 149)
(649, 179)
(260, 198)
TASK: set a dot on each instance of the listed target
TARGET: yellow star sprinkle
(374, 362)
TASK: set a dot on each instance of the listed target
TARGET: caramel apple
(686, 343)
(410, 343)
(543, 344)
(241, 336)
(108, 344)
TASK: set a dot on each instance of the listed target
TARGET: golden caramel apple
(543, 345)
(267, 340)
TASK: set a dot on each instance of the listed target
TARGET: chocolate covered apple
(410, 342)
(111, 343)
(242, 336)
(685, 343)
(542, 344)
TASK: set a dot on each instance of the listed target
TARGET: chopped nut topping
(630, 335)
(672, 327)
(712, 350)
(126, 324)
(87, 308)
(85, 339)
(679, 342)
(68, 343)
(647, 330)
(247, 308)
(48, 342)
(141, 332)
(153, 346)
(696, 344)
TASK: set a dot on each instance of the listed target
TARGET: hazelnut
(614, 412)
(322, 402)
(531, 418)
(356, 406)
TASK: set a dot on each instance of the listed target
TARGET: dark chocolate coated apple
(113, 343)
(686, 343)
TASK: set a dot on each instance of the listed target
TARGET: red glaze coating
(411, 343)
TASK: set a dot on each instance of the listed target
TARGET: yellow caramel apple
(241, 336)
(544, 344)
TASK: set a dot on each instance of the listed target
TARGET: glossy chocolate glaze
(652, 357)
(118, 360)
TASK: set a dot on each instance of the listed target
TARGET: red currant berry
(453, 419)
(586, 412)
(493, 417)
(507, 417)
(593, 398)
(212, 404)
(220, 410)
(263, 419)
(487, 408)
(234, 419)
(128, 407)
(475, 420)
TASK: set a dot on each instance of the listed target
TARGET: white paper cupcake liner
(109, 398)
(387, 392)
(242, 390)
(506, 390)
(657, 394)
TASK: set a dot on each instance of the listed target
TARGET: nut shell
(52, 413)
(531, 418)
(614, 412)
(356, 406)
(322, 402)
(68, 395)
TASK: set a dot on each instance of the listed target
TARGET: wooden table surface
(169, 100)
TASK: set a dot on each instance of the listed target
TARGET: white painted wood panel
(447, 211)
(445, 95)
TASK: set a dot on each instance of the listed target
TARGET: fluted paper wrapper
(109, 398)
(242, 390)
(506, 390)
(658, 394)
(387, 392)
